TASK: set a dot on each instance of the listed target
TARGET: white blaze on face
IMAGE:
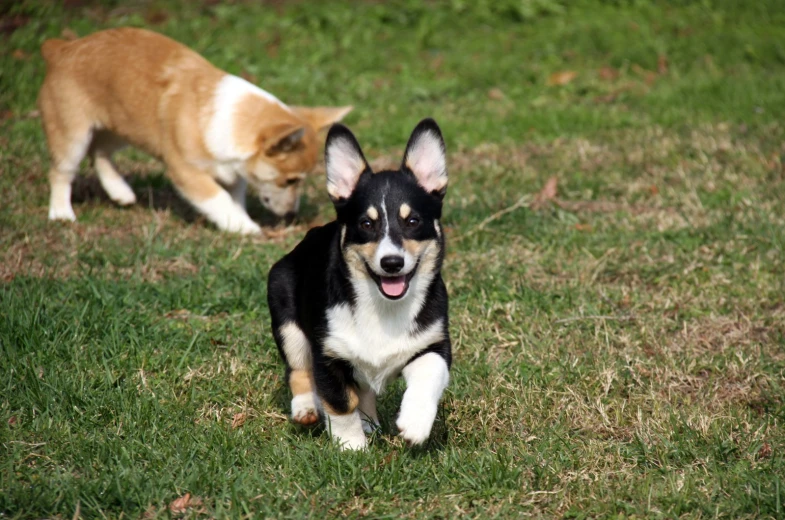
(394, 284)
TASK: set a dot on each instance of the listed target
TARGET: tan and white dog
(216, 132)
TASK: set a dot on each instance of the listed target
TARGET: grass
(618, 349)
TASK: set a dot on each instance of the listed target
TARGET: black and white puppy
(361, 300)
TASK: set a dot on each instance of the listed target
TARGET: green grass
(619, 352)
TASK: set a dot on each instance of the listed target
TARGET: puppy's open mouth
(392, 287)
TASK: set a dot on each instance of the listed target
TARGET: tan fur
(373, 213)
(134, 86)
(300, 382)
(429, 249)
(351, 397)
(356, 255)
(404, 210)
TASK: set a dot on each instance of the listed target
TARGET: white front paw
(227, 215)
(240, 223)
(353, 443)
(65, 212)
(415, 423)
(347, 431)
(122, 194)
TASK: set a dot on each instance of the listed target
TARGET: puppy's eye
(366, 224)
(412, 222)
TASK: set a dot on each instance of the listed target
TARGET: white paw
(304, 409)
(62, 213)
(353, 443)
(347, 431)
(122, 194)
(415, 424)
(227, 215)
(237, 221)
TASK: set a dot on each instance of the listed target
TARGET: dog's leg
(367, 408)
(304, 408)
(237, 191)
(297, 353)
(104, 145)
(292, 343)
(67, 152)
(339, 398)
(343, 418)
(426, 378)
(215, 203)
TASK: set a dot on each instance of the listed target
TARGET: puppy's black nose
(392, 263)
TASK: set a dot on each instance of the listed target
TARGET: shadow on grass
(157, 193)
(388, 408)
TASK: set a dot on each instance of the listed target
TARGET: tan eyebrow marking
(373, 213)
(405, 210)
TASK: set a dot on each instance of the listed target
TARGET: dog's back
(130, 66)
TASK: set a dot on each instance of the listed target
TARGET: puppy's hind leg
(294, 347)
(68, 135)
(104, 145)
(67, 152)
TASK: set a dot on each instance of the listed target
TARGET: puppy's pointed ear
(344, 162)
(320, 118)
(281, 139)
(425, 157)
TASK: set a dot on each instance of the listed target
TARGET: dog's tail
(50, 49)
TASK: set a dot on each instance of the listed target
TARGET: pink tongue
(393, 286)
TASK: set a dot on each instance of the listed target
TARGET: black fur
(315, 277)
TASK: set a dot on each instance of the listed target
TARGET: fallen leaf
(608, 73)
(496, 94)
(653, 189)
(379, 83)
(549, 190)
(274, 45)
(546, 194)
(156, 16)
(12, 420)
(583, 227)
(6, 114)
(765, 451)
(69, 34)
(662, 64)
(185, 502)
(238, 420)
(388, 458)
(20, 55)
(561, 78)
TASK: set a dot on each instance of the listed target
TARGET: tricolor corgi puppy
(216, 132)
(361, 300)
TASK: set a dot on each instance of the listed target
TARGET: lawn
(615, 226)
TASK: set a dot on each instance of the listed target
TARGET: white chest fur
(376, 336)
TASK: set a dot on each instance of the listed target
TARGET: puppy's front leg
(340, 401)
(426, 378)
(211, 199)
